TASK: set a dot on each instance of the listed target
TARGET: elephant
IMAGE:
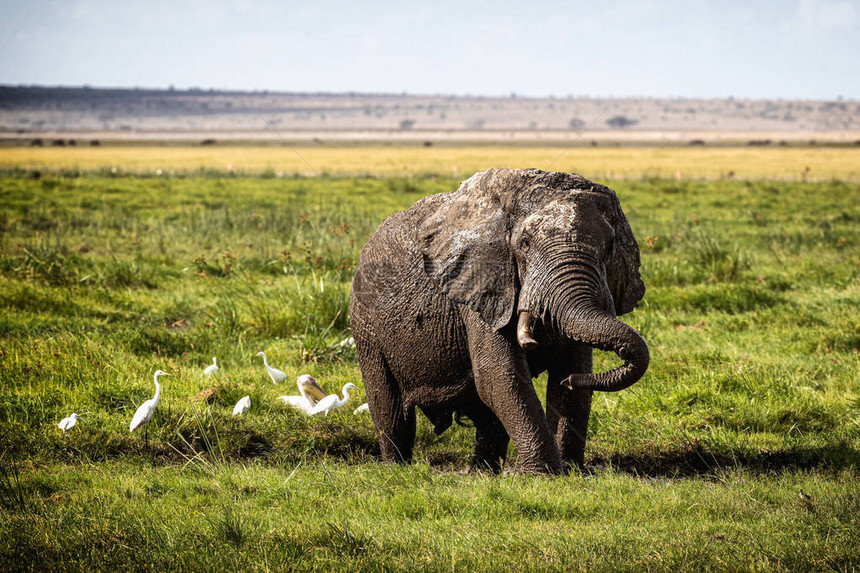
(459, 301)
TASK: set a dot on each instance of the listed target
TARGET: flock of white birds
(311, 399)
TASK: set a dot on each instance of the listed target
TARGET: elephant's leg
(568, 410)
(395, 424)
(491, 440)
(397, 440)
(504, 384)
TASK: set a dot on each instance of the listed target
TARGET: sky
(788, 49)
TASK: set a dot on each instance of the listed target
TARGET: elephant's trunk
(601, 330)
(581, 310)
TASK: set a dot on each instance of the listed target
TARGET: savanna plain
(736, 451)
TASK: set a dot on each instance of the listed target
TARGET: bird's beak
(314, 390)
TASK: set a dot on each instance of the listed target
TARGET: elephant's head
(556, 248)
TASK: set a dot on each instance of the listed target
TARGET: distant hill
(27, 110)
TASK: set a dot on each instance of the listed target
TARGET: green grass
(331, 516)
(752, 314)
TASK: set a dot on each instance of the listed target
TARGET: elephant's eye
(524, 243)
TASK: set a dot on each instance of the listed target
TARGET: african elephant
(460, 300)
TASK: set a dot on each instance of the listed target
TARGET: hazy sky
(694, 48)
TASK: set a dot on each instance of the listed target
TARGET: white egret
(144, 413)
(362, 409)
(68, 423)
(212, 369)
(332, 401)
(275, 374)
(309, 390)
(242, 406)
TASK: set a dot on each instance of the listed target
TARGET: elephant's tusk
(525, 324)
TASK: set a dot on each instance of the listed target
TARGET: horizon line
(355, 93)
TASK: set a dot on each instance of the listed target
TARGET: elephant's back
(391, 260)
(400, 230)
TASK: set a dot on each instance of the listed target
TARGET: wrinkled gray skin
(460, 300)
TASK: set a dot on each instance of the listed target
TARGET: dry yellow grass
(600, 162)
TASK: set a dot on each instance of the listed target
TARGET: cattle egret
(276, 375)
(309, 390)
(68, 423)
(212, 369)
(362, 409)
(144, 413)
(332, 402)
(242, 406)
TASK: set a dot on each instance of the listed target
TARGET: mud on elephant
(460, 300)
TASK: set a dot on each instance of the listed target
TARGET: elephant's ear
(466, 251)
(623, 269)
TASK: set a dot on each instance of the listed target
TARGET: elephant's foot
(548, 468)
(396, 443)
(491, 440)
(484, 465)
(396, 434)
(543, 462)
